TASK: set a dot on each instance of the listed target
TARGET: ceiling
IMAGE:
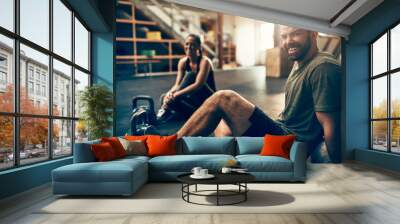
(318, 9)
(98, 15)
(328, 16)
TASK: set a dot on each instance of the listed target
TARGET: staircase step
(127, 57)
(129, 39)
(141, 22)
(125, 2)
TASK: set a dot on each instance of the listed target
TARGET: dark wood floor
(251, 83)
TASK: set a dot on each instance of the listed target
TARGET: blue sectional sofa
(125, 176)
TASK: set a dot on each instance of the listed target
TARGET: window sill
(26, 167)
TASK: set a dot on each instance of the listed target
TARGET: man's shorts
(261, 124)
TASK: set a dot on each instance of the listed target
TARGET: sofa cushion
(131, 158)
(249, 145)
(135, 147)
(161, 145)
(185, 163)
(208, 145)
(277, 145)
(103, 152)
(135, 137)
(257, 163)
(112, 171)
(116, 145)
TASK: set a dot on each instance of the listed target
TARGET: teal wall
(102, 58)
(24, 178)
(103, 63)
(357, 84)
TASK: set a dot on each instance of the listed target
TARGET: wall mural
(201, 73)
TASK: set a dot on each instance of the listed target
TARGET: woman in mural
(194, 83)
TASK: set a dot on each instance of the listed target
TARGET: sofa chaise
(125, 176)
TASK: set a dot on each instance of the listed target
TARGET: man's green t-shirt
(313, 87)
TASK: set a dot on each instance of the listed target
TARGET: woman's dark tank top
(210, 78)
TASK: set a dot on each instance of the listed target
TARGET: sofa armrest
(83, 152)
(298, 155)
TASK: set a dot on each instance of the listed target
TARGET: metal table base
(241, 191)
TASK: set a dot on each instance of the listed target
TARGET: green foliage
(96, 102)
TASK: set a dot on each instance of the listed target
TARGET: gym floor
(250, 82)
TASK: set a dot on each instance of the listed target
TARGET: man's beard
(302, 50)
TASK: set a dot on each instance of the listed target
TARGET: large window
(44, 64)
(385, 92)
(7, 14)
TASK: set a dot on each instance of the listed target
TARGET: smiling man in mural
(312, 101)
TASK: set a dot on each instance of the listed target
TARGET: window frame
(388, 74)
(3, 74)
(3, 69)
(5, 58)
(16, 114)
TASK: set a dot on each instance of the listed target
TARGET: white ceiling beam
(347, 12)
(267, 15)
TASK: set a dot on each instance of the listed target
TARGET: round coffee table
(238, 179)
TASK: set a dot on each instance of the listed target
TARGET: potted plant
(96, 102)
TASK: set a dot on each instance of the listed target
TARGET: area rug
(166, 198)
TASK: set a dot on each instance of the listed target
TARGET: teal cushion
(249, 145)
(185, 163)
(111, 171)
(257, 163)
(133, 158)
(208, 145)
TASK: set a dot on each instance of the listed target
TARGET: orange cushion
(161, 145)
(135, 138)
(277, 145)
(116, 145)
(103, 152)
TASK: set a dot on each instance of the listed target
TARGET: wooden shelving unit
(165, 60)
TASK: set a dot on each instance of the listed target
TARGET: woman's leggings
(189, 103)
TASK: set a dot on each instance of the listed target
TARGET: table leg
(188, 190)
(196, 187)
(182, 188)
(245, 191)
(217, 194)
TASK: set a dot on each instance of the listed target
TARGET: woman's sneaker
(164, 115)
